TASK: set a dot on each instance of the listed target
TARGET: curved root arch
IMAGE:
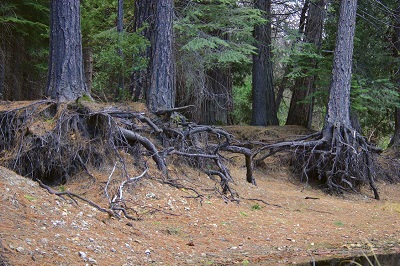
(338, 156)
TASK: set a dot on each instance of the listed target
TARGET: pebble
(20, 249)
(82, 255)
(44, 241)
(92, 261)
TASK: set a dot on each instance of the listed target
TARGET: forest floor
(277, 222)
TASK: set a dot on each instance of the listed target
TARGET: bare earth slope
(178, 227)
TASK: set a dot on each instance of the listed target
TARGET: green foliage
(29, 197)
(338, 223)
(99, 32)
(242, 102)
(25, 26)
(26, 18)
(220, 32)
(256, 207)
(109, 65)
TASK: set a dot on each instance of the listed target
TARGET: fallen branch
(72, 195)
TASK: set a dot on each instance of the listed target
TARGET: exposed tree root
(51, 142)
(338, 156)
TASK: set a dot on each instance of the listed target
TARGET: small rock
(44, 241)
(82, 255)
(113, 250)
(234, 248)
(150, 195)
(91, 239)
(92, 261)
(20, 249)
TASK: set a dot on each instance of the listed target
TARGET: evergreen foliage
(218, 31)
(24, 27)
(100, 33)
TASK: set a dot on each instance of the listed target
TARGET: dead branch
(171, 110)
(72, 195)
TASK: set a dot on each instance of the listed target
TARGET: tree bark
(217, 104)
(88, 66)
(284, 82)
(300, 113)
(66, 74)
(161, 91)
(395, 141)
(120, 28)
(2, 73)
(264, 110)
(339, 97)
(143, 20)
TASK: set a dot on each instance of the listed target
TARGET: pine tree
(66, 76)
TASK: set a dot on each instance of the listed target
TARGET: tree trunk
(2, 73)
(88, 66)
(161, 92)
(339, 97)
(66, 74)
(395, 141)
(284, 82)
(300, 113)
(217, 104)
(120, 28)
(143, 16)
(264, 110)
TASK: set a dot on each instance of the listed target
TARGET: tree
(395, 141)
(338, 155)
(161, 90)
(158, 80)
(143, 21)
(66, 75)
(214, 46)
(301, 107)
(23, 48)
(120, 29)
(264, 111)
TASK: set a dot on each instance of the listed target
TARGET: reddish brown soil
(37, 228)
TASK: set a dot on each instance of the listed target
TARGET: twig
(130, 180)
(108, 182)
(71, 195)
(263, 201)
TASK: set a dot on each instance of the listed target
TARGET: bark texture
(120, 28)
(395, 141)
(264, 110)
(161, 91)
(2, 73)
(300, 112)
(217, 103)
(339, 96)
(144, 20)
(88, 66)
(66, 74)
